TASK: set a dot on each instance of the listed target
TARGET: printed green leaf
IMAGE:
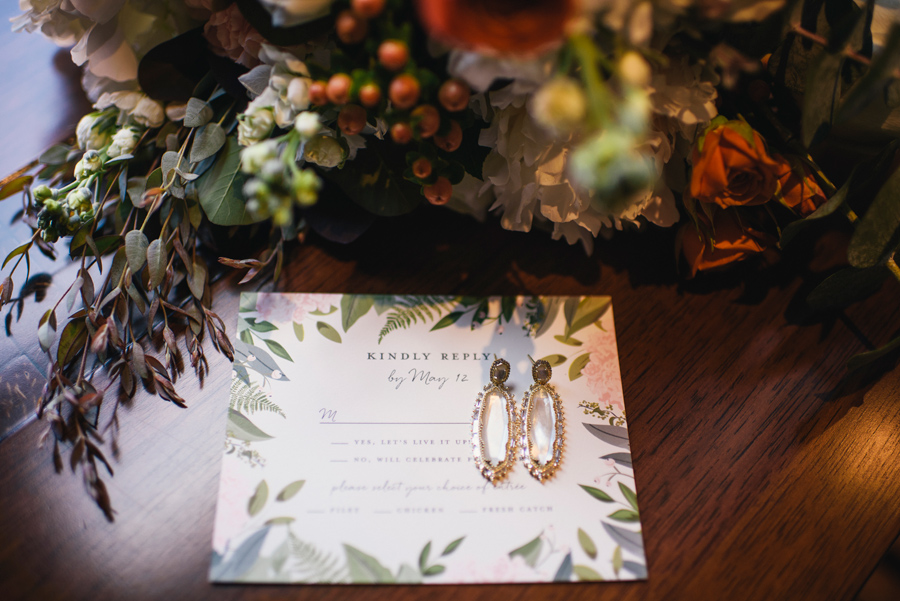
(569, 308)
(408, 575)
(423, 556)
(246, 336)
(587, 544)
(259, 498)
(136, 244)
(248, 301)
(433, 570)
(578, 364)
(569, 341)
(625, 515)
(208, 142)
(243, 429)
(328, 332)
(282, 520)
(448, 320)
(596, 493)
(629, 496)
(586, 572)
(589, 310)
(529, 551)
(261, 326)
(354, 306)
(555, 360)
(452, 546)
(277, 349)
(290, 490)
(298, 331)
(551, 309)
(876, 229)
(507, 307)
(862, 359)
(156, 263)
(821, 96)
(219, 189)
(365, 569)
(564, 572)
(617, 559)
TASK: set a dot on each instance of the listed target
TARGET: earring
(543, 424)
(494, 425)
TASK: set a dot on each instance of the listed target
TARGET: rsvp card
(349, 449)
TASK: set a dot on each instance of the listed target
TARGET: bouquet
(267, 119)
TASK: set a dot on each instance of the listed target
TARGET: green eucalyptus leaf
(16, 185)
(167, 164)
(829, 207)
(219, 188)
(872, 84)
(876, 232)
(197, 113)
(156, 262)
(847, 286)
(136, 245)
(862, 359)
(821, 96)
(209, 140)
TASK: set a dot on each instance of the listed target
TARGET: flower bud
(123, 142)
(255, 125)
(88, 133)
(633, 69)
(324, 151)
(307, 124)
(79, 199)
(42, 193)
(560, 105)
(89, 164)
(149, 112)
(611, 166)
(253, 157)
(306, 187)
(272, 171)
(298, 93)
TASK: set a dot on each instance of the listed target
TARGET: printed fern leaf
(309, 564)
(250, 399)
(408, 310)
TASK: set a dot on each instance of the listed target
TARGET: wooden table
(763, 471)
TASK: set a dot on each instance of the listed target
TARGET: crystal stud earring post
(543, 424)
(494, 425)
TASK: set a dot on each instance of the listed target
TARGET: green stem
(598, 96)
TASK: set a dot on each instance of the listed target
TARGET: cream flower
(123, 142)
(140, 107)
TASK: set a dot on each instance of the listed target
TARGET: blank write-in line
(395, 423)
(379, 511)
(338, 461)
(340, 443)
(315, 511)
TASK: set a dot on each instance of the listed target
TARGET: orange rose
(732, 167)
(497, 26)
(799, 189)
(733, 242)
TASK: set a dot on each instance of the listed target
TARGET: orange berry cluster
(394, 88)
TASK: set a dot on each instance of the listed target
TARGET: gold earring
(494, 425)
(543, 424)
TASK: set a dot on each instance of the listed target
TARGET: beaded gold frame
(495, 473)
(542, 471)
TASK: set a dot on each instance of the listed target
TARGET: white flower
(281, 84)
(480, 71)
(254, 125)
(286, 13)
(307, 124)
(89, 164)
(325, 151)
(686, 93)
(254, 157)
(560, 105)
(89, 134)
(140, 107)
(123, 142)
(149, 112)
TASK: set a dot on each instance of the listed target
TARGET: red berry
(350, 28)
(421, 168)
(452, 140)
(404, 91)
(368, 8)
(317, 93)
(338, 88)
(439, 192)
(429, 120)
(370, 94)
(393, 54)
(401, 133)
(352, 119)
(454, 95)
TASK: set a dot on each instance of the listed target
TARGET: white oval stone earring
(543, 424)
(494, 425)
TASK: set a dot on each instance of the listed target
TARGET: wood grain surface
(763, 471)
